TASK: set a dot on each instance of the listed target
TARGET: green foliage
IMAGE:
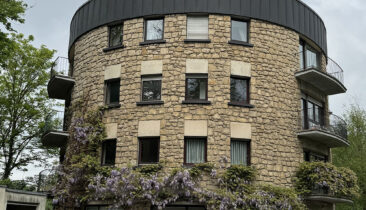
(49, 205)
(148, 170)
(23, 104)
(354, 156)
(320, 177)
(11, 11)
(197, 169)
(238, 177)
(18, 185)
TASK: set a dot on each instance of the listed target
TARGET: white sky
(345, 20)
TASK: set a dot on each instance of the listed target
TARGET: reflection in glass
(151, 90)
(239, 31)
(154, 29)
(116, 36)
(196, 89)
(239, 90)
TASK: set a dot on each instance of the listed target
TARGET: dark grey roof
(293, 14)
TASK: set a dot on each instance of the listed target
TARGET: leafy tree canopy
(354, 156)
(24, 105)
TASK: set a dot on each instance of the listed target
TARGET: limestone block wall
(275, 149)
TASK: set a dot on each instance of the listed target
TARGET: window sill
(146, 103)
(112, 106)
(147, 164)
(113, 48)
(197, 41)
(160, 41)
(240, 105)
(196, 102)
(245, 44)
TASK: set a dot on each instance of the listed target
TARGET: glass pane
(113, 92)
(151, 90)
(311, 59)
(197, 28)
(239, 30)
(195, 150)
(149, 150)
(310, 111)
(154, 29)
(109, 152)
(116, 36)
(196, 89)
(301, 55)
(196, 208)
(239, 90)
(239, 151)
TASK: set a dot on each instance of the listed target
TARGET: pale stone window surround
(195, 128)
(111, 130)
(240, 68)
(152, 67)
(149, 128)
(240, 130)
(112, 72)
(196, 66)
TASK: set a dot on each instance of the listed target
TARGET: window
(115, 35)
(313, 157)
(239, 30)
(154, 29)
(240, 152)
(182, 207)
(312, 114)
(197, 27)
(108, 152)
(196, 87)
(309, 57)
(195, 150)
(149, 150)
(100, 208)
(239, 90)
(112, 91)
(151, 88)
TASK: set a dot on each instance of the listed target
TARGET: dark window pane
(196, 89)
(109, 152)
(154, 29)
(149, 150)
(151, 90)
(239, 30)
(113, 92)
(196, 208)
(301, 55)
(115, 35)
(239, 90)
(195, 150)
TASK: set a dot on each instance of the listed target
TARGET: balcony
(324, 182)
(329, 82)
(332, 134)
(55, 136)
(60, 84)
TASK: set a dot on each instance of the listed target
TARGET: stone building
(189, 81)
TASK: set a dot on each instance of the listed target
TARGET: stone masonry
(276, 152)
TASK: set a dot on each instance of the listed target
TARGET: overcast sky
(345, 20)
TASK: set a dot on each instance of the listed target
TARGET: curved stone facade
(275, 93)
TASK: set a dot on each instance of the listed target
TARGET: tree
(10, 11)
(23, 105)
(354, 156)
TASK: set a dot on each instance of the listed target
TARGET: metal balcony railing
(60, 67)
(335, 125)
(55, 121)
(333, 68)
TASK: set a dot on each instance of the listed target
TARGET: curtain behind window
(195, 150)
(197, 28)
(239, 151)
